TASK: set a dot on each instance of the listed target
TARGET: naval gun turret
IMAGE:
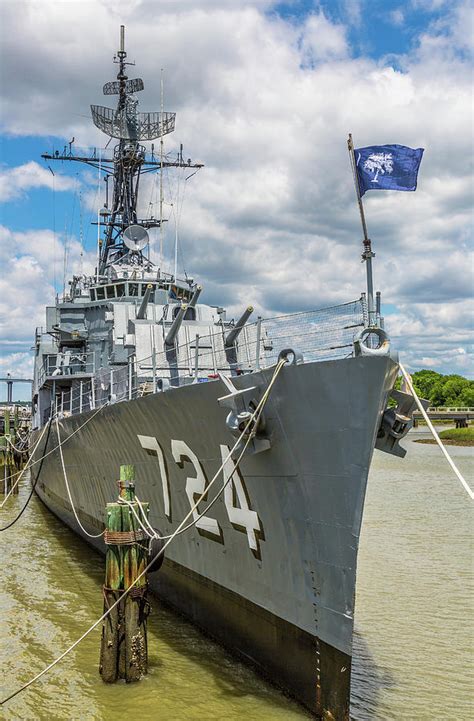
(176, 324)
(146, 299)
(232, 336)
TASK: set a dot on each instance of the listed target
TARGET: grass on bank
(454, 437)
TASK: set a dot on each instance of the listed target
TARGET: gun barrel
(175, 326)
(195, 297)
(143, 306)
(234, 333)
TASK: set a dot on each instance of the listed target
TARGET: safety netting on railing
(323, 334)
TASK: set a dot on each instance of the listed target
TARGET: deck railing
(67, 363)
(319, 335)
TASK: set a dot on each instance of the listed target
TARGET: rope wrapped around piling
(124, 538)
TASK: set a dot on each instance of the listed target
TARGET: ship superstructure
(138, 370)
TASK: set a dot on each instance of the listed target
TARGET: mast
(161, 176)
(367, 254)
(125, 234)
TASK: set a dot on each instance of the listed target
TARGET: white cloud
(321, 40)
(397, 17)
(267, 105)
(19, 365)
(15, 181)
(35, 267)
(353, 12)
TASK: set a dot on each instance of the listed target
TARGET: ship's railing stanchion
(92, 397)
(130, 377)
(213, 353)
(257, 344)
(196, 356)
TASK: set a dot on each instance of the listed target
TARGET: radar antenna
(125, 235)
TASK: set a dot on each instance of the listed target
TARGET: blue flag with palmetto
(387, 167)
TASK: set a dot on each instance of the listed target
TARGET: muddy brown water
(413, 643)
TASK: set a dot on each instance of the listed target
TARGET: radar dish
(135, 237)
(128, 125)
(131, 86)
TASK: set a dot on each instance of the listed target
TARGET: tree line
(450, 390)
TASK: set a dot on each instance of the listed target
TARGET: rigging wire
(55, 247)
(94, 204)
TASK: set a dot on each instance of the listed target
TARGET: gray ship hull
(271, 570)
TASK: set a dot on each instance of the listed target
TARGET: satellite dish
(135, 237)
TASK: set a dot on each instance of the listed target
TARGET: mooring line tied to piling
(248, 434)
(435, 434)
(18, 516)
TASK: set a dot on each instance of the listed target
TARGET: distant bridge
(461, 415)
(10, 381)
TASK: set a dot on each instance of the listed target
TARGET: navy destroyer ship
(137, 369)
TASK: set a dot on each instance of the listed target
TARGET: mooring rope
(255, 415)
(26, 467)
(65, 440)
(91, 535)
(18, 450)
(9, 525)
(151, 533)
(435, 434)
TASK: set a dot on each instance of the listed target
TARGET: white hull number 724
(241, 516)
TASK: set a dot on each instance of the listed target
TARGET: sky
(265, 95)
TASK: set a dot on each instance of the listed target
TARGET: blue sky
(265, 94)
(376, 28)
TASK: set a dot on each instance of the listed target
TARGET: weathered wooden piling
(124, 651)
(10, 461)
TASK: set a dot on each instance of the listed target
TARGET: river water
(414, 638)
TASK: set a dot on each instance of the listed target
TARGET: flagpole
(367, 254)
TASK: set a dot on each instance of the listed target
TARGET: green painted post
(110, 644)
(124, 639)
(9, 459)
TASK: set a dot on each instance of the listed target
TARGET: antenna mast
(161, 180)
(125, 234)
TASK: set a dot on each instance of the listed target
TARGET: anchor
(242, 404)
(396, 422)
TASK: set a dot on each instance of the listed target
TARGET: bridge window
(133, 289)
(92, 294)
(100, 293)
(110, 289)
(120, 290)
